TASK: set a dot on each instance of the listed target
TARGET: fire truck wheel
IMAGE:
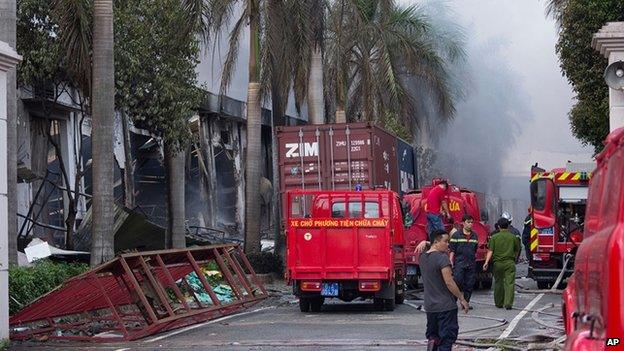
(412, 282)
(304, 304)
(399, 298)
(399, 295)
(379, 304)
(316, 304)
(389, 304)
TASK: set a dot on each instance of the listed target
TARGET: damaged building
(54, 173)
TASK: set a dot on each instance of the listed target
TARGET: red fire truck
(558, 201)
(593, 303)
(460, 201)
(345, 245)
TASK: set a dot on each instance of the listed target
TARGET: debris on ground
(140, 294)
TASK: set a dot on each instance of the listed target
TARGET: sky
(527, 40)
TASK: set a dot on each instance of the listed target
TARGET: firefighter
(503, 248)
(463, 247)
(437, 208)
(526, 235)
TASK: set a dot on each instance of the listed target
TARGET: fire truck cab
(345, 245)
(558, 201)
(593, 302)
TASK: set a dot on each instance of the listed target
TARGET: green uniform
(505, 247)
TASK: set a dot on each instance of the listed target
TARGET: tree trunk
(7, 34)
(253, 158)
(175, 163)
(70, 222)
(315, 88)
(129, 165)
(341, 115)
(103, 97)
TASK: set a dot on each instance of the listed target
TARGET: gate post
(8, 59)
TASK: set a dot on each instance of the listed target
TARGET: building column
(610, 42)
(8, 59)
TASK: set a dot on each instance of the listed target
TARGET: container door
(349, 157)
(384, 147)
(406, 167)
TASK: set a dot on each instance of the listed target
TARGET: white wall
(8, 60)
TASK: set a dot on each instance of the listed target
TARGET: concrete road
(277, 324)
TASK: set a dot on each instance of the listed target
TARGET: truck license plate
(329, 289)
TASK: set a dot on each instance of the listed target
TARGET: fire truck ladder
(140, 294)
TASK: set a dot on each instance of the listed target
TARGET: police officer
(463, 247)
(503, 248)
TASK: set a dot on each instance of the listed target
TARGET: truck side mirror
(484, 216)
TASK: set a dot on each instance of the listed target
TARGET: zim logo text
(294, 149)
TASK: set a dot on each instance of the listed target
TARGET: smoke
(488, 122)
(490, 114)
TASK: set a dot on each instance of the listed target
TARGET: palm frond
(232, 54)
(74, 18)
(197, 13)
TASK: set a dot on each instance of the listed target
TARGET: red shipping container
(316, 157)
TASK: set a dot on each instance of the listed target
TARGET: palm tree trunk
(341, 115)
(7, 34)
(253, 158)
(315, 88)
(175, 163)
(103, 97)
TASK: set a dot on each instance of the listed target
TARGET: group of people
(448, 267)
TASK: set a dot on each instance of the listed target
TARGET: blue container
(408, 177)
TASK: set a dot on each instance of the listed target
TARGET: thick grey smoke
(487, 123)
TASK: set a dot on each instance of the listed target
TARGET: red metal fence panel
(140, 294)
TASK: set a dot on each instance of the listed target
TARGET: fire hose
(472, 342)
(553, 289)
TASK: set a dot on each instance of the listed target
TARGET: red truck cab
(345, 245)
(558, 203)
(460, 201)
(593, 302)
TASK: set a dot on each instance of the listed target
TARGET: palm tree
(374, 45)
(175, 164)
(554, 7)
(280, 51)
(103, 111)
(7, 34)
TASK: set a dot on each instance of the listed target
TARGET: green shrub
(26, 284)
(266, 262)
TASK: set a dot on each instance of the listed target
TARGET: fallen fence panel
(140, 294)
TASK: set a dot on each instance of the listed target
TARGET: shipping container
(317, 157)
(407, 167)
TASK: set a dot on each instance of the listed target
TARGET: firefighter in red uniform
(463, 247)
(437, 208)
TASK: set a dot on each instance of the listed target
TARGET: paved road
(278, 325)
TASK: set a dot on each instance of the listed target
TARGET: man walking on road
(503, 249)
(441, 293)
(463, 247)
(437, 208)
